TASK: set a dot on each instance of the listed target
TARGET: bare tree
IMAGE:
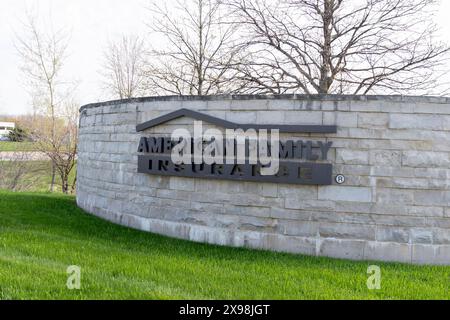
(43, 55)
(63, 150)
(124, 67)
(338, 46)
(196, 51)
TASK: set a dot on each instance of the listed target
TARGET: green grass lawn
(42, 234)
(37, 176)
(17, 146)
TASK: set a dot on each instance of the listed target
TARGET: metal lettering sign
(296, 160)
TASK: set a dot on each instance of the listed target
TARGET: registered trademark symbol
(340, 179)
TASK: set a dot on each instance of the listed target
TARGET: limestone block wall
(393, 150)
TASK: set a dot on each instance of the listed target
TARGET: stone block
(351, 169)
(388, 251)
(344, 119)
(390, 209)
(298, 228)
(366, 106)
(255, 223)
(172, 194)
(246, 105)
(313, 205)
(288, 214)
(241, 117)
(342, 193)
(330, 106)
(424, 211)
(195, 104)
(408, 183)
(441, 236)
(269, 117)
(219, 104)
(186, 184)
(346, 231)
(373, 120)
(447, 212)
(281, 105)
(403, 221)
(353, 207)
(442, 255)
(432, 197)
(346, 156)
(302, 192)
(299, 245)
(310, 105)
(303, 117)
(292, 202)
(419, 121)
(432, 173)
(268, 190)
(208, 207)
(385, 171)
(247, 211)
(392, 234)
(392, 196)
(346, 143)
(386, 158)
(422, 236)
(432, 108)
(213, 197)
(338, 248)
(426, 159)
(423, 254)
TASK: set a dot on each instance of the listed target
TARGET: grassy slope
(17, 146)
(40, 235)
(38, 177)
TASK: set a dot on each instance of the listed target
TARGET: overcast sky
(91, 23)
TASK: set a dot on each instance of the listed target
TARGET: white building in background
(5, 128)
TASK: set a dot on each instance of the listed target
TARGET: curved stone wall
(393, 151)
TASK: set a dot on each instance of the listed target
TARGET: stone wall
(394, 152)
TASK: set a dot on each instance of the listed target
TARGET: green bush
(18, 135)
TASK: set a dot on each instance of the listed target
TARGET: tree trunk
(74, 184)
(65, 184)
(52, 185)
(65, 187)
(325, 71)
